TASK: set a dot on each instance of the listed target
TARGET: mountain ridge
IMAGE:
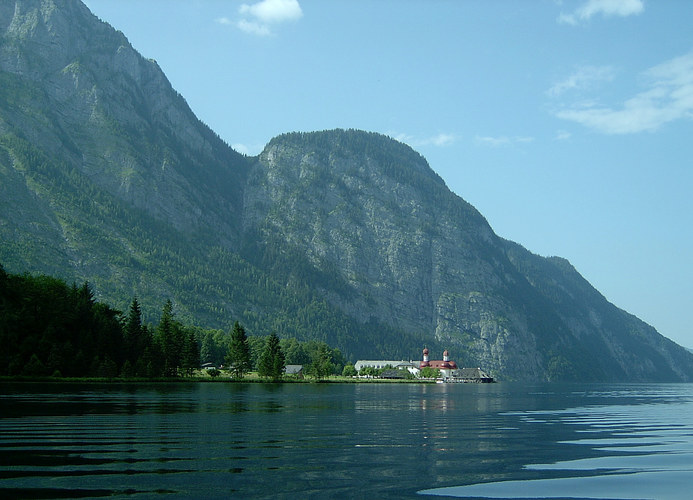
(344, 236)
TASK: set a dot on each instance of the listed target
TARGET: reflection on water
(387, 440)
(642, 449)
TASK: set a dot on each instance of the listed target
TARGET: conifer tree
(170, 337)
(238, 356)
(207, 349)
(191, 353)
(134, 338)
(321, 364)
(271, 364)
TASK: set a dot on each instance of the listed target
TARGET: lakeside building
(295, 371)
(410, 366)
(448, 369)
(444, 366)
(470, 375)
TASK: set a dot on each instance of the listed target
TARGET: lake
(223, 440)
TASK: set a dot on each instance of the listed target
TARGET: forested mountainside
(347, 237)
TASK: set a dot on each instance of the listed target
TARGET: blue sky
(567, 124)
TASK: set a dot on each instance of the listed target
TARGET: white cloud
(273, 11)
(258, 18)
(501, 141)
(241, 148)
(607, 8)
(667, 97)
(583, 78)
(441, 139)
(253, 28)
(248, 150)
(223, 20)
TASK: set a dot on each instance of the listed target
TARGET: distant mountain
(343, 236)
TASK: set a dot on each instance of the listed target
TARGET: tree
(190, 359)
(207, 348)
(294, 352)
(428, 372)
(256, 344)
(338, 361)
(349, 371)
(238, 356)
(35, 367)
(170, 337)
(271, 363)
(214, 345)
(321, 363)
(134, 337)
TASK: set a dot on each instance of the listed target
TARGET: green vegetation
(49, 328)
(428, 372)
(321, 363)
(343, 242)
(265, 284)
(271, 364)
(238, 357)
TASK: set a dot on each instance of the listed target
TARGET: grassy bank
(205, 378)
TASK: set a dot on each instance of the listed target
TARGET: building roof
(474, 374)
(378, 363)
(293, 369)
(440, 365)
(394, 374)
(406, 364)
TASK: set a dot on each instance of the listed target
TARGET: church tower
(425, 362)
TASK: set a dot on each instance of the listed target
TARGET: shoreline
(204, 380)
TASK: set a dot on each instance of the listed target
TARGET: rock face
(409, 252)
(343, 236)
(77, 87)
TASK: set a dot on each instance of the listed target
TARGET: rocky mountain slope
(343, 236)
(399, 247)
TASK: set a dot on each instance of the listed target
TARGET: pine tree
(191, 353)
(170, 337)
(238, 356)
(271, 363)
(321, 364)
(207, 349)
(134, 338)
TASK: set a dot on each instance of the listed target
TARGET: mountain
(343, 236)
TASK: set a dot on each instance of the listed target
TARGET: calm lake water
(346, 441)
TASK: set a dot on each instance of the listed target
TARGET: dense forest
(50, 328)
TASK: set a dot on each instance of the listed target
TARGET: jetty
(467, 376)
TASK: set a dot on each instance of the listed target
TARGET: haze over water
(340, 440)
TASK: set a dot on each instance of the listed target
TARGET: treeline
(50, 328)
(268, 286)
(216, 344)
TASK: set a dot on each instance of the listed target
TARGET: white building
(410, 366)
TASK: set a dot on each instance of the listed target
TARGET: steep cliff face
(615, 344)
(408, 251)
(77, 87)
(343, 236)
(105, 172)
(369, 212)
